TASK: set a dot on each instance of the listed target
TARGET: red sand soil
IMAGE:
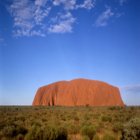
(78, 92)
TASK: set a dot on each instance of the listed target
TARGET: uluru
(78, 92)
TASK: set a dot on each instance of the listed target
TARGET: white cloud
(57, 2)
(28, 33)
(41, 11)
(88, 4)
(41, 14)
(37, 33)
(118, 15)
(68, 4)
(27, 15)
(102, 20)
(40, 2)
(122, 2)
(34, 18)
(132, 88)
(21, 11)
(64, 24)
(71, 4)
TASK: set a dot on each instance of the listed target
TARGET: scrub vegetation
(69, 123)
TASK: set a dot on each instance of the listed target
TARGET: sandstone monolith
(78, 92)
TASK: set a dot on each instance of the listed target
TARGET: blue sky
(44, 41)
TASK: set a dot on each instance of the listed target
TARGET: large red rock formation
(78, 92)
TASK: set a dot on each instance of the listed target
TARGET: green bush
(13, 130)
(35, 133)
(117, 127)
(58, 133)
(96, 137)
(76, 118)
(131, 130)
(85, 138)
(9, 131)
(115, 108)
(106, 118)
(108, 137)
(86, 117)
(88, 131)
(47, 133)
(73, 129)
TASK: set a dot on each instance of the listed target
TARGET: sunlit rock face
(78, 92)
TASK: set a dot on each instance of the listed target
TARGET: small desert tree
(131, 130)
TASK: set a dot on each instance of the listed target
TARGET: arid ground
(72, 123)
